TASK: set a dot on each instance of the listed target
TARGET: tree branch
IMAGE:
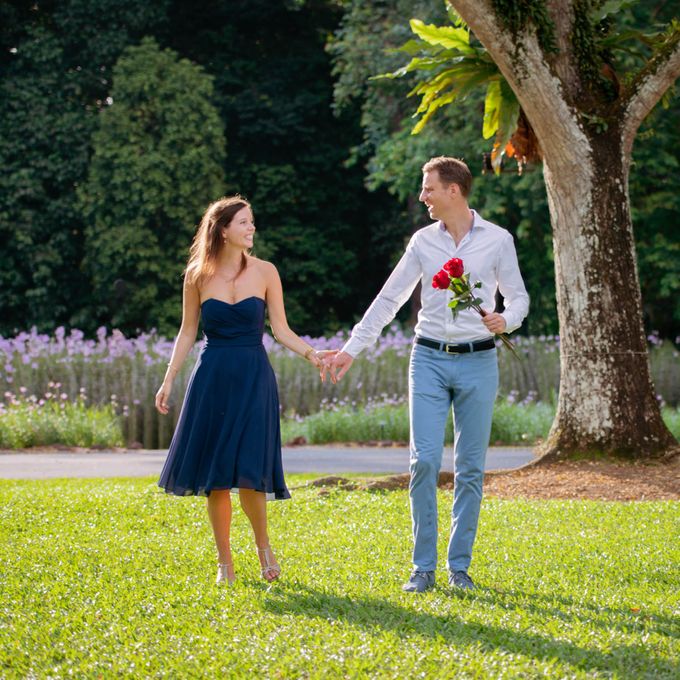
(561, 13)
(540, 91)
(648, 88)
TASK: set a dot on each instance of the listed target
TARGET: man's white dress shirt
(488, 254)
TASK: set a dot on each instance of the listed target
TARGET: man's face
(435, 195)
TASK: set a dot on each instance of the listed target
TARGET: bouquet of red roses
(452, 277)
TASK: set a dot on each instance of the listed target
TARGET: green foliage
(395, 158)
(366, 43)
(304, 168)
(112, 578)
(370, 40)
(351, 424)
(655, 206)
(513, 423)
(273, 91)
(454, 68)
(42, 125)
(501, 113)
(611, 49)
(157, 163)
(287, 151)
(520, 423)
(25, 423)
(600, 10)
(671, 416)
(54, 70)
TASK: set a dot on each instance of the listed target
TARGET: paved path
(321, 459)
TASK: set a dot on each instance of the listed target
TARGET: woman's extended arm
(191, 307)
(279, 323)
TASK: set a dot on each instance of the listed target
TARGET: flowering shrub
(124, 373)
(27, 420)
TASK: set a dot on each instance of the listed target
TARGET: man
(453, 363)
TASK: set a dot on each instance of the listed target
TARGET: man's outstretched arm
(393, 295)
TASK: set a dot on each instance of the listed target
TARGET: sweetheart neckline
(233, 304)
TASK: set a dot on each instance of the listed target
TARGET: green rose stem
(464, 298)
(502, 336)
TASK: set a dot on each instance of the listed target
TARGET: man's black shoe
(419, 582)
(460, 579)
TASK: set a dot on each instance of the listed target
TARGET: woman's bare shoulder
(262, 266)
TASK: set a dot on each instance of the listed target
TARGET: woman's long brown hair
(208, 241)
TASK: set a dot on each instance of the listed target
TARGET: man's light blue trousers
(467, 385)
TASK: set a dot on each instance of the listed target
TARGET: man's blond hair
(451, 171)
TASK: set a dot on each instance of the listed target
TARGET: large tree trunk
(606, 402)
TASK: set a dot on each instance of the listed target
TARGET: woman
(228, 433)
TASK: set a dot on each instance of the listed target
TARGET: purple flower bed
(111, 368)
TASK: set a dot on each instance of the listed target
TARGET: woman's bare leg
(219, 512)
(254, 504)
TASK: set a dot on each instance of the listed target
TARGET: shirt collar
(477, 221)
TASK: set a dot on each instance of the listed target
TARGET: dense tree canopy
(157, 161)
(286, 151)
(55, 61)
(363, 48)
(324, 153)
(42, 153)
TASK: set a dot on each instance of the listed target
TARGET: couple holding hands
(228, 433)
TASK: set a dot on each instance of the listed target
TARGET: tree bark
(606, 402)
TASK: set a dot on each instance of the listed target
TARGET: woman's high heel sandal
(270, 569)
(223, 573)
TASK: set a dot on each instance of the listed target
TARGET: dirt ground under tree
(607, 480)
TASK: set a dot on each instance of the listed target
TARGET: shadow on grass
(376, 614)
(563, 608)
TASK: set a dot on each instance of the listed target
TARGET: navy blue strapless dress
(228, 434)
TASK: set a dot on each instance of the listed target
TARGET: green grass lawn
(115, 579)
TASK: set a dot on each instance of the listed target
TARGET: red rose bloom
(441, 280)
(454, 267)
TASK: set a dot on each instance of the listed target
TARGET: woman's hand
(162, 397)
(322, 360)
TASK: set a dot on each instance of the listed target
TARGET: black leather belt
(461, 348)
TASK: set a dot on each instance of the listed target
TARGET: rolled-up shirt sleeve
(511, 286)
(396, 291)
